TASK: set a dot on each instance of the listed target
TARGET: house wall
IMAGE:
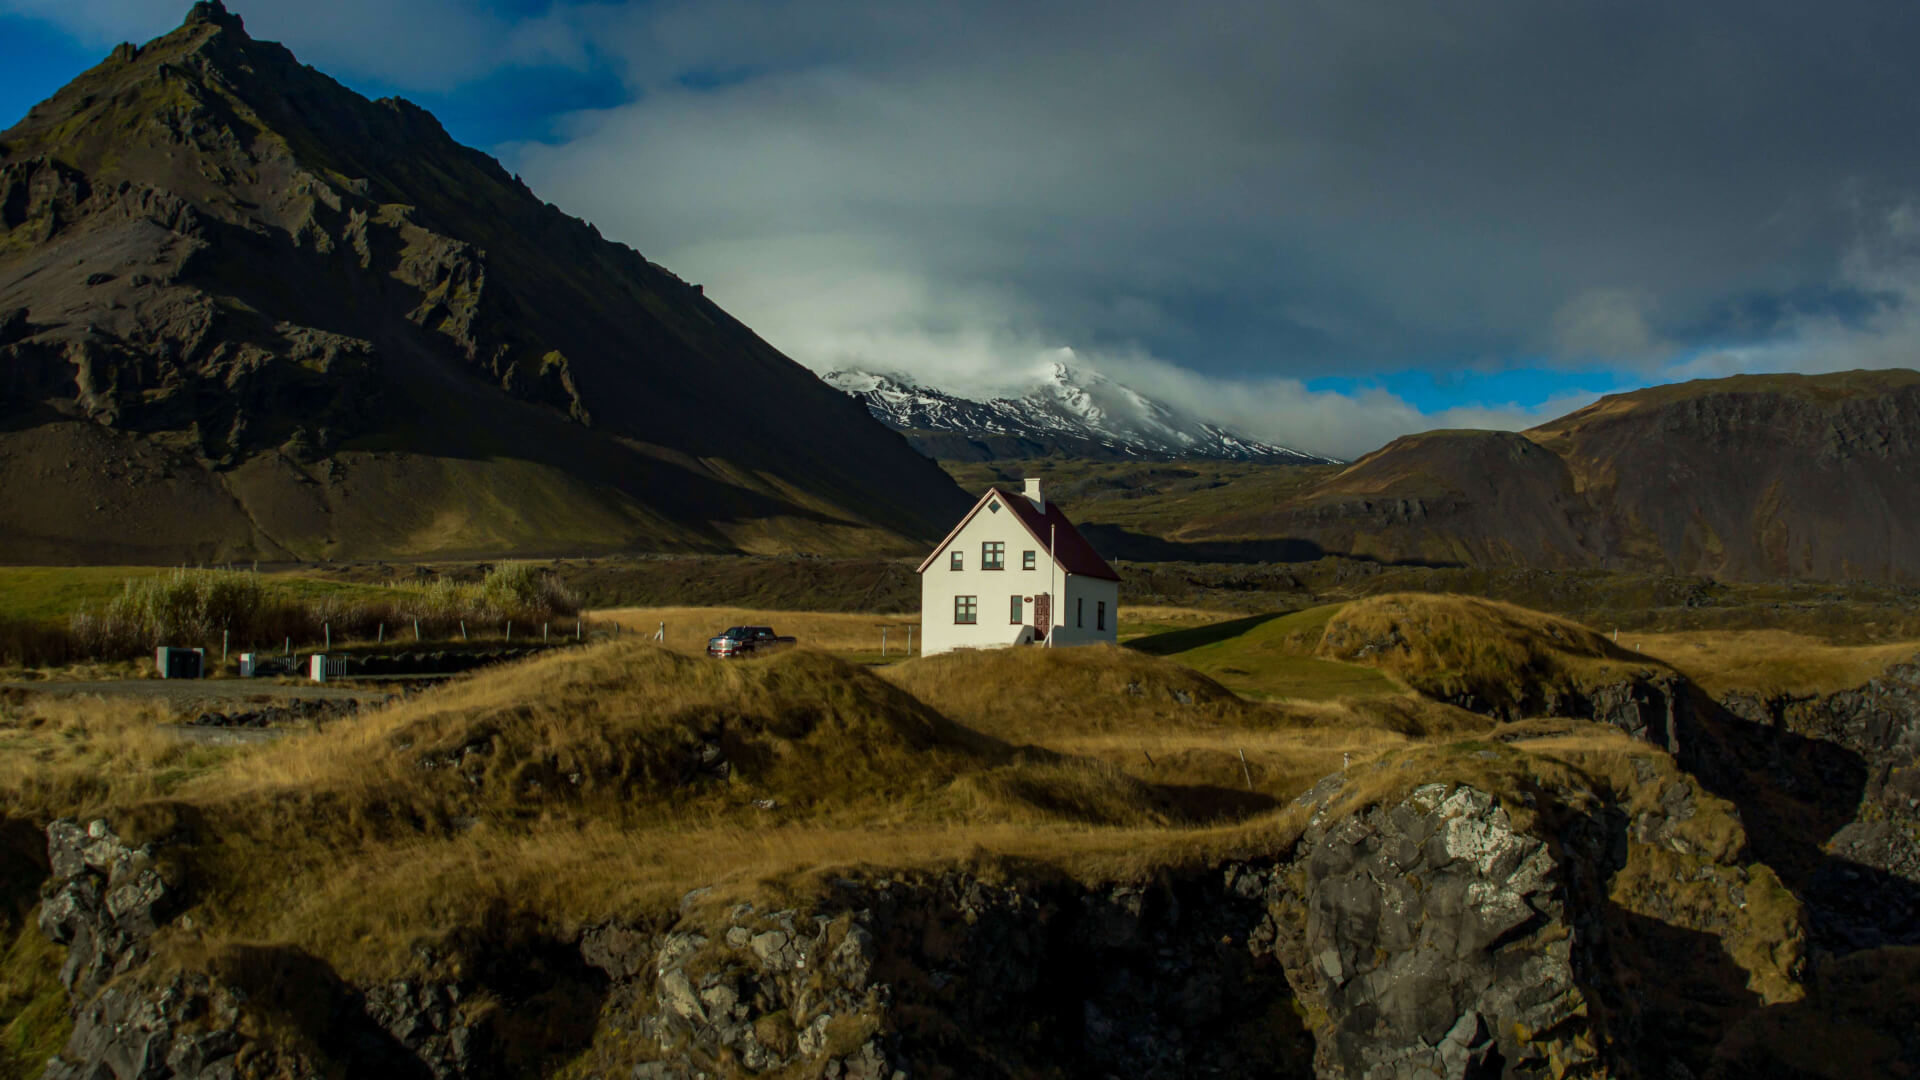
(994, 627)
(1078, 623)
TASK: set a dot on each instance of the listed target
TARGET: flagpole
(1053, 566)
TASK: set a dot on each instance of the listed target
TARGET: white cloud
(1607, 324)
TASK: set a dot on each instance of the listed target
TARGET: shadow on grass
(1175, 641)
(1210, 804)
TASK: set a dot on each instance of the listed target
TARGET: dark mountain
(246, 312)
(1069, 412)
(1752, 477)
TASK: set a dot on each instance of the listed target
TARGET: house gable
(1071, 550)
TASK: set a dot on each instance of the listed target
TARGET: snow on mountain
(1071, 410)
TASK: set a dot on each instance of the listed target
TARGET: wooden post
(223, 646)
(546, 634)
(382, 639)
(416, 629)
(289, 646)
(883, 641)
(1243, 770)
(509, 631)
(909, 640)
(577, 634)
(328, 627)
(463, 629)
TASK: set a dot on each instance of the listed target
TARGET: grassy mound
(1034, 694)
(630, 732)
(598, 783)
(1454, 648)
(1271, 657)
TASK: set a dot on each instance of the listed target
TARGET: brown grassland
(587, 784)
(1772, 662)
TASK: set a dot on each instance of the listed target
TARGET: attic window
(994, 507)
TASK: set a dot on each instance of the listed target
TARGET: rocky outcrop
(1870, 883)
(185, 1029)
(106, 899)
(1445, 932)
(1436, 940)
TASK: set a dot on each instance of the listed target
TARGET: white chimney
(1033, 494)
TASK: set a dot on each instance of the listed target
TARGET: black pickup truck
(742, 640)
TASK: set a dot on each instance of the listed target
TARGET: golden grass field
(567, 789)
(1772, 662)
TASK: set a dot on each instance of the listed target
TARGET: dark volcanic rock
(1436, 941)
(184, 1030)
(105, 899)
(1868, 887)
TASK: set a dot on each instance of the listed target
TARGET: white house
(993, 581)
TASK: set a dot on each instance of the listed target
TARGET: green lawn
(1269, 657)
(52, 593)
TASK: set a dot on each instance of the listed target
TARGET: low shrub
(188, 607)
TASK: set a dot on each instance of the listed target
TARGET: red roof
(1071, 551)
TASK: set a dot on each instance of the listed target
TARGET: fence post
(576, 631)
(223, 646)
(463, 629)
(546, 633)
(883, 641)
(661, 635)
(328, 628)
(289, 646)
(909, 641)
(382, 639)
(509, 631)
(416, 631)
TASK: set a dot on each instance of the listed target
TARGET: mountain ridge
(323, 328)
(1070, 411)
(1748, 477)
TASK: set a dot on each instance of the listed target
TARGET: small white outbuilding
(994, 580)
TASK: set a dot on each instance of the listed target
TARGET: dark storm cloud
(1264, 190)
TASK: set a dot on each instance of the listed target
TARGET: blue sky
(1325, 224)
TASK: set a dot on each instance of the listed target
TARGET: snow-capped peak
(1069, 409)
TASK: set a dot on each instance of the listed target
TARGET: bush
(194, 607)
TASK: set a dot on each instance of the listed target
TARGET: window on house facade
(993, 555)
(1080, 613)
(1026, 560)
(1019, 611)
(966, 610)
(1100, 615)
(956, 561)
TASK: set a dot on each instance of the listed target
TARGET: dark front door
(1042, 615)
